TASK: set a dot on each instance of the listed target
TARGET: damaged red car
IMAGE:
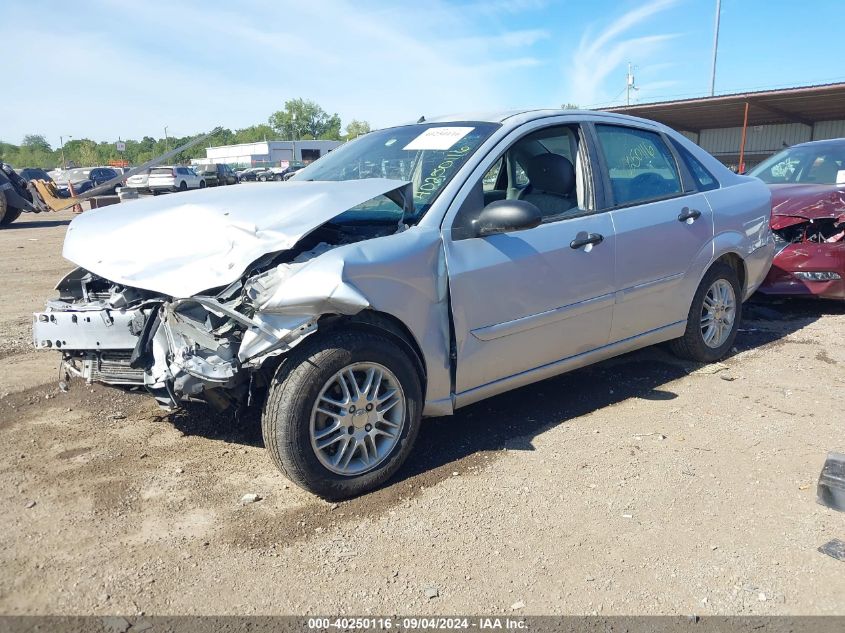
(808, 219)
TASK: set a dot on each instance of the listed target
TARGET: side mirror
(504, 216)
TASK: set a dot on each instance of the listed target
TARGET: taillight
(173, 173)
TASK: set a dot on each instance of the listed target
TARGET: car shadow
(512, 420)
(46, 224)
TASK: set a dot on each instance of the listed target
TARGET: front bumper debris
(85, 329)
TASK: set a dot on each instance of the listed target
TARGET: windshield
(426, 155)
(822, 164)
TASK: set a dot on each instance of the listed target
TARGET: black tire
(285, 421)
(691, 345)
(10, 216)
(7, 214)
(202, 184)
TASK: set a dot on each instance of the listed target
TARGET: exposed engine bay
(211, 346)
(795, 230)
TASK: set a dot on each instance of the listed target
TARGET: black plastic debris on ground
(834, 549)
(831, 489)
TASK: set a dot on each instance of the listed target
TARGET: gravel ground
(640, 485)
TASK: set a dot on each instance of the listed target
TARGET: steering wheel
(648, 184)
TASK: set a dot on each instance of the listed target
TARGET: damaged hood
(182, 244)
(810, 202)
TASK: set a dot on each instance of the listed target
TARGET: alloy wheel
(357, 419)
(718, 313)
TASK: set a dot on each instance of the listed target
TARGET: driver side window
(544, 167)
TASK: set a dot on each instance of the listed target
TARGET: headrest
(552, 173)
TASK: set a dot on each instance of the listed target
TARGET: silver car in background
(413, 271)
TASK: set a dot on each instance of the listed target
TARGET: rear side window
(639, 164)
(704, 180)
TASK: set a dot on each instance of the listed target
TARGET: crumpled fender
(318, 288)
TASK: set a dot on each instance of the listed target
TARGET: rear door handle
(591, 238)
(689, 214)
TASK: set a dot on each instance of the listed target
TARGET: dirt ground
(640, 485)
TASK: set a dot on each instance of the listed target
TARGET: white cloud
(200, 68)
(599, 55)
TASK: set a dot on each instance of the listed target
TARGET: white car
(173, 179)
(138, 181)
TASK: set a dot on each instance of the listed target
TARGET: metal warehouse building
(267, 153)
(746, 128)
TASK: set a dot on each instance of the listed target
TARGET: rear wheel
(183, 186)
(342, 413)
(713, 317)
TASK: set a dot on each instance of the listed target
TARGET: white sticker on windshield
(438, 138)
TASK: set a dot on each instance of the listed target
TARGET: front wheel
(7, 214)
(342, 413)
(713, 318)
(202, 184)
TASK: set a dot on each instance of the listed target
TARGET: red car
(808, 219)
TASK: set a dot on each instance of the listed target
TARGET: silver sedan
(413, 271)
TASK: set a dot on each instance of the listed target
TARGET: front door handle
(689, 214)
(591, 238)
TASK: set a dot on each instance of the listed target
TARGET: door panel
(525, 299)
(654, 250)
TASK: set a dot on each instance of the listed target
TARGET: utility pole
(166, 140)
(630, 84)
(62, 142)
(715, 47)
(293, 127)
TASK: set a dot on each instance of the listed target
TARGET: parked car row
(265, 174)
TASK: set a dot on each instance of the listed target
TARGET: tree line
(300, 119)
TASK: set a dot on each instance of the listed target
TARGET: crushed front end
(208, 347)
(809, 257)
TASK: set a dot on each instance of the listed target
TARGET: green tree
(36, 142)
(304, 119)
(254, 134)
(356, 128)
(88, 154)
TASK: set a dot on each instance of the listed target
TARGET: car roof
(827, 141)
(515, 118)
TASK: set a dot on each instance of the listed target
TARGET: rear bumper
(757, 265)
(162, 185)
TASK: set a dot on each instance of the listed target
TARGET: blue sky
(105, 69)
